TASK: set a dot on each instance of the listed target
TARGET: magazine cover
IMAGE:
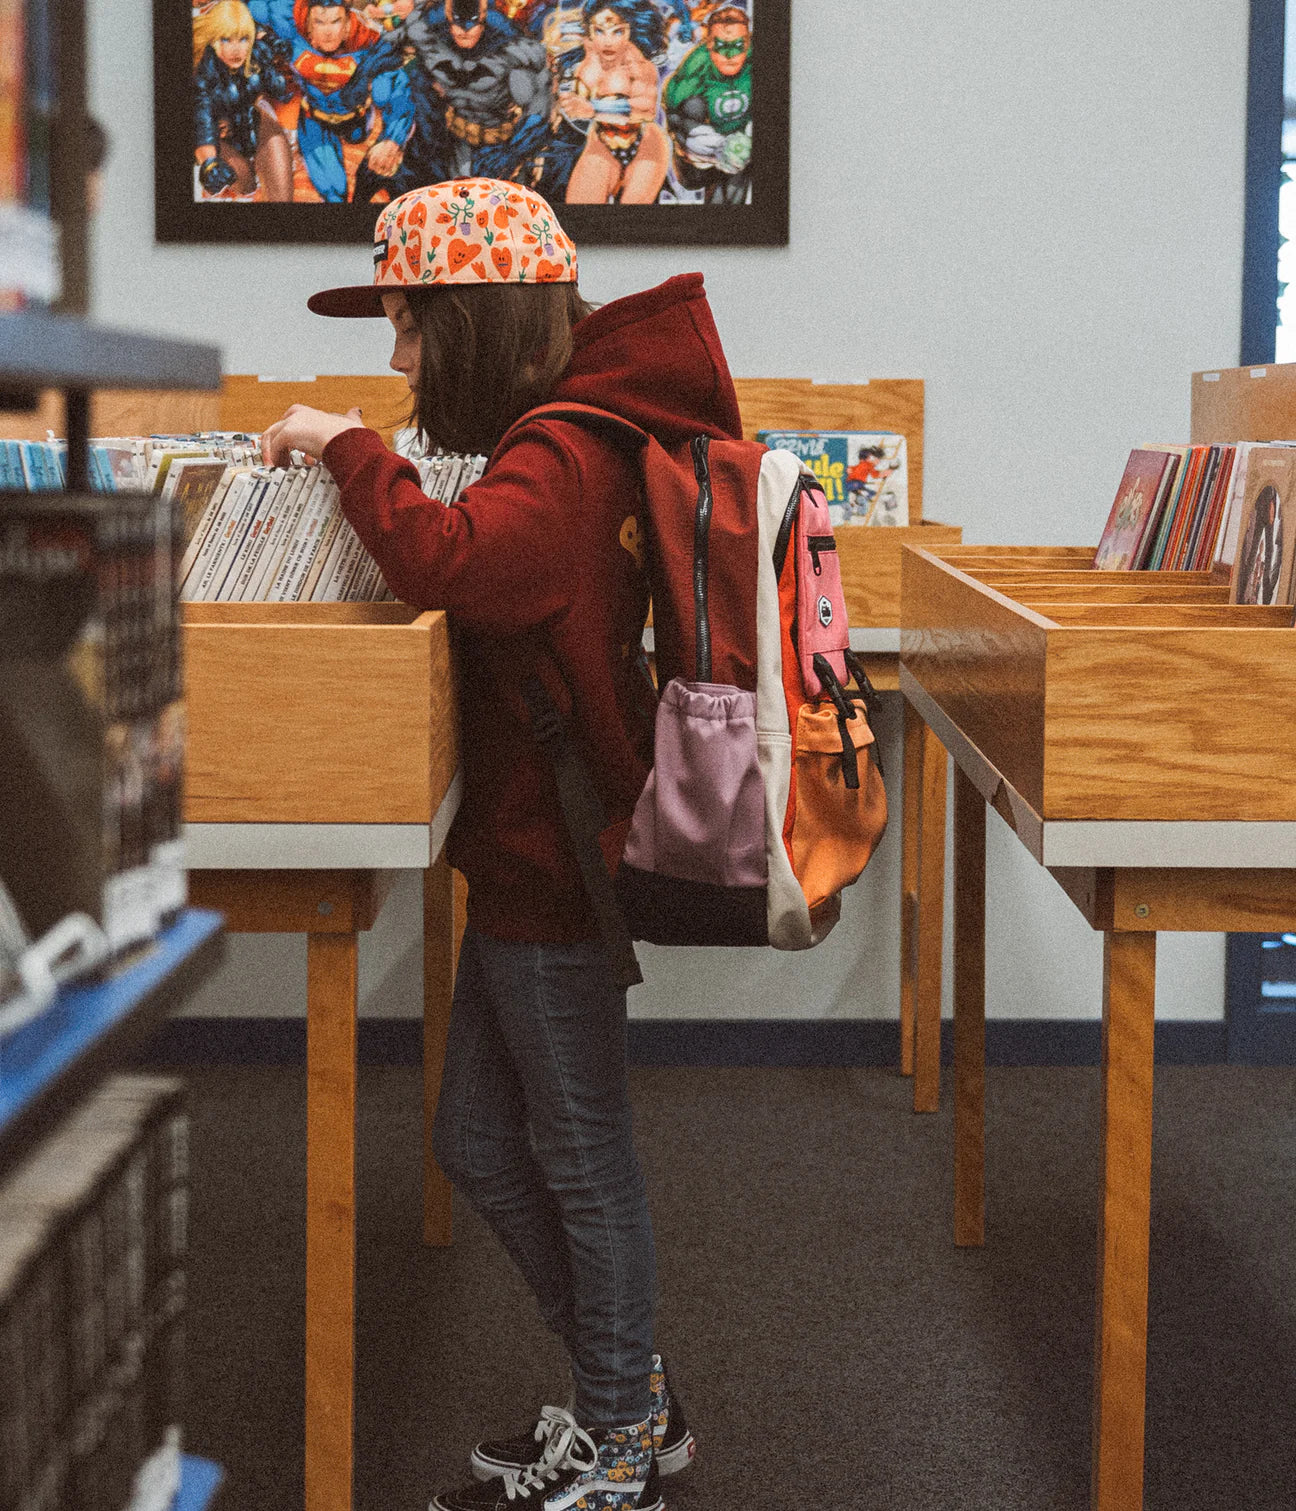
(865, 474)
(1134, 512)
(1262, 571)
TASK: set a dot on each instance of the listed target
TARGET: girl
(541, 568)
(239, 141)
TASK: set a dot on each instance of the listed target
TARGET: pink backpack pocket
(822, 628)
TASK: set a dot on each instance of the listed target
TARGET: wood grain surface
(119, 412)
(969, 1012)
(1225, 616)
(319, 722)
(1094, 591)
(292, 902)
(910, 820)
(1120, 1343)
(982, 657)
(930, 923)
(894, 404)
(1169, 724)
(1245, 404)
(332, 975)
(870, 567)
(250, 403)
(1186, 900)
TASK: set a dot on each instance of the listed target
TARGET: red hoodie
(541, 560)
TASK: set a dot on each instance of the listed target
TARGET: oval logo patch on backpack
(825, 612)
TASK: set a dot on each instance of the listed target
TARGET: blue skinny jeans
(533, 1126)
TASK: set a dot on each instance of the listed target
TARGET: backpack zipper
(817, 543)
(784, 536)
(701, 447)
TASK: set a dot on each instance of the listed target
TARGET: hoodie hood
(655, 359)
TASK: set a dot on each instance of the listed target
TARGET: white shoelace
(567, 1446)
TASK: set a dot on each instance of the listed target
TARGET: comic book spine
(308, 533)
(280, 534)
(226, 567)
(243, 557)
(303, 532)
(200, 573)
(315, 583)
(209, 515)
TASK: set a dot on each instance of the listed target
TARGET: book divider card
(1123, 724)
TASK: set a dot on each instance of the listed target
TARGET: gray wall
(1038, 209)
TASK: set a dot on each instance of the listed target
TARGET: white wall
(1036, 208)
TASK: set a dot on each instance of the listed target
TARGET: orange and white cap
(464, 231)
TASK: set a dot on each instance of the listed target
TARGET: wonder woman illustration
(616, 89)
(238, 141)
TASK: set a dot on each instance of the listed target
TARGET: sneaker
(673, 1443)
(610, 1469)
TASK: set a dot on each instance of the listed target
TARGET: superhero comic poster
(651, 121)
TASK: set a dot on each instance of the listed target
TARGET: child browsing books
(539, 564)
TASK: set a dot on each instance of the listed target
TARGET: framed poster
(649, 122)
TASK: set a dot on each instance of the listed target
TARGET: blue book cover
(864, 474)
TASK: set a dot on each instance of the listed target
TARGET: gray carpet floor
(833, 1348)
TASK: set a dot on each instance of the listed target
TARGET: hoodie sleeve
(500, 560)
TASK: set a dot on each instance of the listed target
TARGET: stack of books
(1226, 509)
(93, 1238)
(91, 717)
(279, 534)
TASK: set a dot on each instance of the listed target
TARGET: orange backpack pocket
(835, 827)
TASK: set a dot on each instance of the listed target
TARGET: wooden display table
(322, 759)
(1125, 731)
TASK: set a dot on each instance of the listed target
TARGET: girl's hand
(304, 429)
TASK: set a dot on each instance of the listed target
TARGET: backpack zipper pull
(817, 543)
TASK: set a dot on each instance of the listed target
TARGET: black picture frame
(179, 219)
(1264, 173)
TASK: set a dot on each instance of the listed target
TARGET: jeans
(533, 1126)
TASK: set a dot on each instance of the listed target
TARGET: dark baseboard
(703, 1043)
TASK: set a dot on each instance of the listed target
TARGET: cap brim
(360, 301)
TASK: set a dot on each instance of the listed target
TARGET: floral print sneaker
(609, 1469)
(673, 1443)
(621, 1477)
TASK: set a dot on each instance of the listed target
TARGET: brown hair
(489, 353)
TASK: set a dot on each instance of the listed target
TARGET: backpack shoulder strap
(582, 414)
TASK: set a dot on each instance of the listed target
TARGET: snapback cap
(463, 231)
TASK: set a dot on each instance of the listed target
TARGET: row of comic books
(91, 721)
(93, 1238)
(1228, 509)
(279, 534)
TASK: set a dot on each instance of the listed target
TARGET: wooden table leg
(930, 925)
(1120, 1353)
(438, 991)
(969, 1012)
(331, 1001)
(910, 821)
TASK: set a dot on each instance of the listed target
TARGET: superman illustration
(346, 69)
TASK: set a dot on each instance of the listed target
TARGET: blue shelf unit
(199, 1481)
(94, 1026)
(1261, 999)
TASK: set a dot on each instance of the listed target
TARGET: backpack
(765, 796)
